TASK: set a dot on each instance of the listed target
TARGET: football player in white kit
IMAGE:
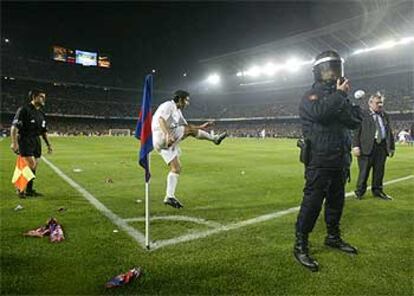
(169, 128)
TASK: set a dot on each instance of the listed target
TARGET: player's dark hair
(34, 93)
(178, 94)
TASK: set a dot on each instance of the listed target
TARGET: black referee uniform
(31, 124)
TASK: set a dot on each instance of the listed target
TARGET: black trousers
(376, 161)
(322, 184)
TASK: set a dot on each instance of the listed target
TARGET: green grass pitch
(240, 180)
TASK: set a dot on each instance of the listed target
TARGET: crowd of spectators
(104, 102)
(72, 100)
(268, 129)
(81, 101)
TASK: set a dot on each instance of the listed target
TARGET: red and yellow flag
(22, 174)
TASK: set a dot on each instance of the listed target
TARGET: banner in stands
(70, 56)
(86, 58)
(59, 53)
(103, 61)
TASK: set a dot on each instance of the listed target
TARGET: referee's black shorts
(30, 146)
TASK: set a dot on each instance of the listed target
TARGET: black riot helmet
(328, 67)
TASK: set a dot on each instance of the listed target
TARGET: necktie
(378, 131)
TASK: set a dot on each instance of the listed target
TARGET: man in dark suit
(373, 142)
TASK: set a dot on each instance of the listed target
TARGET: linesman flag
(22, 174)
(143, 130)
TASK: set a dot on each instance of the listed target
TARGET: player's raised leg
(199, 133)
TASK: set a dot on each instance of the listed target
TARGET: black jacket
(327, 118)
(364, 136)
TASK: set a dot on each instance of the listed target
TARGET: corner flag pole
(143, 132)
(147, 210)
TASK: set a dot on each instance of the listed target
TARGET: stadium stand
(88, 101)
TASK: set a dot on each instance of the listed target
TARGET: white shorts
(160, 144)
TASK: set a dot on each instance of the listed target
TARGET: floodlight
(253, 71)
(292, 65)
(386, 45)
(269, 69)
(406, 40)
(213, 79)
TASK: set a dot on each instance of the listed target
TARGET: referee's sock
(29, 187)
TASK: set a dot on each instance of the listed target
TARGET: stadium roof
(392, 21)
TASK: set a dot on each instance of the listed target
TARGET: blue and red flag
(143, 130)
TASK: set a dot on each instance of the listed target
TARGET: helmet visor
(330, 71)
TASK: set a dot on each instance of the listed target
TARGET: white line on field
(177, 218)
(115, 219)
(232, 226)
(352, 193)
(139, 237)
(267, 217)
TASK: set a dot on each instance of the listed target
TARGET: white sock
(203, 135)
(172, 180)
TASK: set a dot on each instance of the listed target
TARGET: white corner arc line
(232, 226)
(115, 219)
(267, 217)
(139, 237)
(177, 218)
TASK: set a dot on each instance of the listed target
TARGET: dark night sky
(170, 37)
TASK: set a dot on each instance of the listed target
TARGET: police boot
(301, 252)
(334, 240)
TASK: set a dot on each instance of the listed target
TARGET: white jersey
(175, 123)
(172, 115)
(403, 136)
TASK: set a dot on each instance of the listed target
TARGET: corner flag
(22, 174)
(143, 130)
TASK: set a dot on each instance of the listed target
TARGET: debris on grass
(124, 278)
(56, 231)
(77, 170)
(109, 180)
(52, 228)
(38, 232)
(18, 208)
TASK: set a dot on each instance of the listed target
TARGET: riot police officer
(327, 118)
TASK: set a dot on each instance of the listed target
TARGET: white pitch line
(232, 226)
(139, 237)
(267, 217)
(177, 218)
(115, 219)
(352, 193)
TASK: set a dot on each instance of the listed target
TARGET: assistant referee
(28, 125)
